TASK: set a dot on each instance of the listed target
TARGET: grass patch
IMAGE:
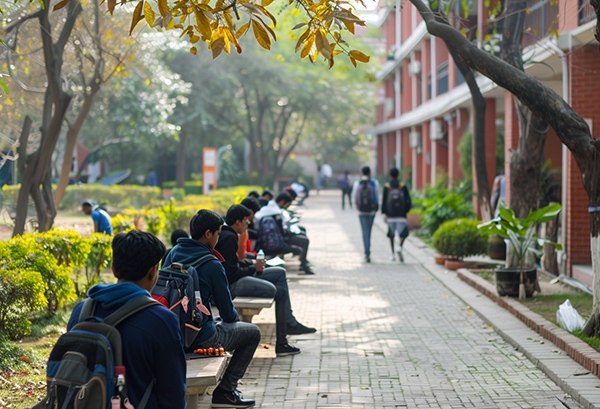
(547, 305)
(593, 342)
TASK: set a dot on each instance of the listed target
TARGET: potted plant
(520, 275)
(457, 239)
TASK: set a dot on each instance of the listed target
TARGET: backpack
(366, 197)
(178, 289)
(342, 182)
(269, 237)
(396, 202)
(85, 367)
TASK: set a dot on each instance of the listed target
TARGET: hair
(251, 203)
(88, 203)
(253, 194)
(291, 192)
(366, 171)
(177, 234)
(235, 213)
(268, 193)
(285, 197)
(204, 220)
(394, 173)
(134, 253)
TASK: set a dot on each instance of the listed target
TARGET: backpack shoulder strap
(132, 307)
(89, 306)
(203, 260)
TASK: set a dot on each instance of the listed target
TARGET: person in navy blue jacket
(230, 333)
(151, 339)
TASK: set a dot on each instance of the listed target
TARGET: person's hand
(385, 218)
(260, 265)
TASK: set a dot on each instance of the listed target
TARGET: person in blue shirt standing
(102, 221)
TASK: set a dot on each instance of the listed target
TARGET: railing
(541, 21)
(586, 12)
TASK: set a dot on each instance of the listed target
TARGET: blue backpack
(269, 237)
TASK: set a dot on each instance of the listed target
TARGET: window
(442, 80)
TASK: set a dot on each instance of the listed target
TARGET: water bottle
(260, 256)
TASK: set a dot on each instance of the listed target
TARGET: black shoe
(299, 329)
(307, 270)
(286, 349)
(225, 399)
(367, 259)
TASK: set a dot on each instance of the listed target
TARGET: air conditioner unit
(414, 140)
(388, 106)
(435, 130)
(414, 68)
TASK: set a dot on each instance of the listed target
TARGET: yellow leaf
(60, 5)
(295, 12)
(109, 34)
(555, 33)
(111, 5)
(307, 46)
(465, 308)
(163, 7)
(228, 20)
(171, 23)
(349, 25)
(194, 50)
(242, 30)
(487, 38)
(527, 11)
(194, 39)
(470, 312)
(262, 37)
(147, 82)
(233, 40)
(266, 3)
(353, 61)
(137, 16)
(203, 25)
(302, 38)
(322, 44)
(149, 14)
(267, 13)
(217, 42)
(358, 56)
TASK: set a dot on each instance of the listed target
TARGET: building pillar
(455, 132)
(426, 154)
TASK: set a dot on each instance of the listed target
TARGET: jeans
(366, 224)
(240, 337)
(257, 287)
(301, 241)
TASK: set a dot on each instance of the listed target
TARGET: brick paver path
(390, 335)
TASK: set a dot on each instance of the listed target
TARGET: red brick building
(424, 106)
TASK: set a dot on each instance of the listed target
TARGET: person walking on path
(345, 184)
(394, 206)
(366, 198)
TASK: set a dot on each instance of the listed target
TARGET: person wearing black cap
(102, 221)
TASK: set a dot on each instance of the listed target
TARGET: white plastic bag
(568, 317)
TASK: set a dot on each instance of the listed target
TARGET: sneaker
(392, 258)
(367, 259)
(400, 256)
(299, 329)
(286, 349)
(225, 399)
(307, 270)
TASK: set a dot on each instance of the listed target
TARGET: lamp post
(220, 151)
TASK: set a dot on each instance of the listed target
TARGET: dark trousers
(366, 224)
(240, 337)
(257, 287)
(299, 240)
(346, 192)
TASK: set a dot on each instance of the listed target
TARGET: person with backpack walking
(366, 199)
(230, 333)
(151, 344)
(345, 184)
(394, 206)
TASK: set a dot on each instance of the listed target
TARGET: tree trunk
(526, 161)
(72, 135)
(550, 263)
(180, 161)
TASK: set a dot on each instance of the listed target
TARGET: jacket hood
(271, 209)
(113, 296)
(188, 251)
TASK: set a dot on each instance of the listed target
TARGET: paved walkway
(390, 335)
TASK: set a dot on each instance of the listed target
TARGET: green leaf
(4, 87)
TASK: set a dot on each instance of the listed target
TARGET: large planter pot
(508, 280)
(456, 264)
(413, 221)
(440, 259)
(497, 249)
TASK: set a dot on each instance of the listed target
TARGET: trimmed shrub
(121, 196)
(460, 238)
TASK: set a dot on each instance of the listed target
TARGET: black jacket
(228, 246)
(386, 189)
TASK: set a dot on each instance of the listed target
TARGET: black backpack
(85, 367)
(269, 236)
(366, 197)
(396, 203)
(178, 289)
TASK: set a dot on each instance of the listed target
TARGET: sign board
(209, 168)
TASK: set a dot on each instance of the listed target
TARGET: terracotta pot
(440, 259)
(456, 264)
(413, 221)
(508, 280)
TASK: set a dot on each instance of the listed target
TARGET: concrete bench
(202, 373)
(248, 307)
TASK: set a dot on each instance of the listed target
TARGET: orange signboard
(209, 170)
